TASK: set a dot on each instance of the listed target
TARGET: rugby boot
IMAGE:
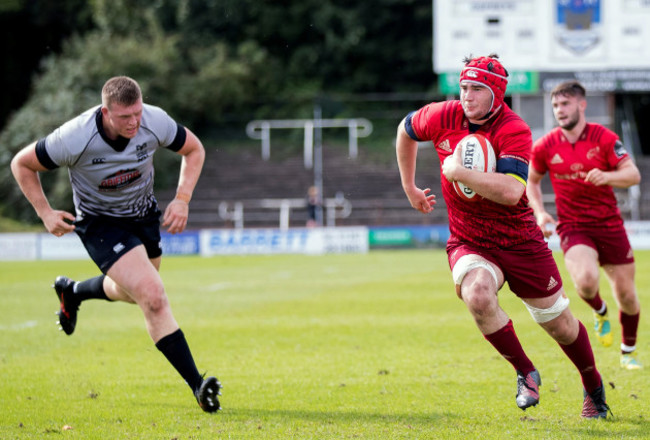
(630, 362)
(63, 286)
(207, 394)
(528, 389)
(603, 329)
(594, 405)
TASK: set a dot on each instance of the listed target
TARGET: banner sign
(67, 247)
(520, 82)
(276, 241)
(600, 81)
(209, 242)
(408, 236)
(19, 246)
(186, 243)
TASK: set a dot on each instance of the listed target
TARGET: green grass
(11, 225)
(373, 346)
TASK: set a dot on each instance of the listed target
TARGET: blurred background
(290, 95)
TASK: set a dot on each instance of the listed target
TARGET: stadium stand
(373, 190)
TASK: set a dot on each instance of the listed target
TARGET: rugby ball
(476, 154)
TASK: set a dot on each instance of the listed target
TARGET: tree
(30, 30)
(195, 87)
(212, 62)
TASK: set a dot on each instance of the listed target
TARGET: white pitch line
(20, 326)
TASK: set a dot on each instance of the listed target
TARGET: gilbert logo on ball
(477, 154)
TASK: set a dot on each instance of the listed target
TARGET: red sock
(580, 353)
(507, 344)
(596, 302)
(630, 324)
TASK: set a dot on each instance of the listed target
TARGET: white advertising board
(17, 247)
(275, 241)
(67, 247)
(638, 232)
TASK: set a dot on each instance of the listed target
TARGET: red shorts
(612, 244)
(529, 268)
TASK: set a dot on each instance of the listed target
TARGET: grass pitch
(373, 346)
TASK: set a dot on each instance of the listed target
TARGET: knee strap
(470, 262)
(545, 315)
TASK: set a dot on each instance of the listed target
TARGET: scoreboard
(543, 35)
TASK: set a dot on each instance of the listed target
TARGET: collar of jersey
(118, 144)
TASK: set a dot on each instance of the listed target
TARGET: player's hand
(56, 224)
(546, 223)
(597, 177)
(421, 200)
(175, 218)
(451, 164)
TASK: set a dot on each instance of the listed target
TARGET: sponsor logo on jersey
(444, 145)
(552, 282)
(513, 156)
(118, 248)
(593, 152)
(577, 172)
(141, 152)
(99, 160)
(577, 167)
(619, 149)
(119, 180)
(572, 176)
(556, 159)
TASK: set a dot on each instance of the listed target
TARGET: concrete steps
(374, 190)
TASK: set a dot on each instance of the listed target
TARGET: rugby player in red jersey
(496, 240)
(585, 161)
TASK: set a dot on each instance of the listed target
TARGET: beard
(571, 122)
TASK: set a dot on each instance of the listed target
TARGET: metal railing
(335, 207)
(261, 129)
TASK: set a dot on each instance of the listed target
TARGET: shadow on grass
(355, 417)
(614, 427)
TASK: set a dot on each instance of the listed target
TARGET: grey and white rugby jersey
(110, 177)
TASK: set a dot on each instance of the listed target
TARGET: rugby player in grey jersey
(108, 151)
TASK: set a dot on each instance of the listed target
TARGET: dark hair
(569, 88)
(468, 59)
(121, 90)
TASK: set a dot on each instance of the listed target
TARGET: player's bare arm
(498, 187)
(536, 202)
(25, 167)
(406, 150)
(177, 212)
(625, 175)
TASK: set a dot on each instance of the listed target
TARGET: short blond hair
(121, 90)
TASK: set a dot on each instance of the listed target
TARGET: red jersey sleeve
(538, 156)
(430, 121)
(615, 152)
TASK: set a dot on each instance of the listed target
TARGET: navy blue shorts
(108, 238)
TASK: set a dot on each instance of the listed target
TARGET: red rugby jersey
(581, 203)
(483, 223)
